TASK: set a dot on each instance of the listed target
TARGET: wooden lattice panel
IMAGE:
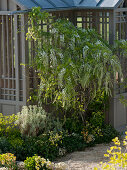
(89, 19)
(7, 59)
(13, 53)
(94, 20)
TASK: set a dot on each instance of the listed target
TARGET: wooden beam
(120, 10)
(10, 102)
(5, 12)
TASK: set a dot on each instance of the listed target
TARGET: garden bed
(87, 159)
(83, 160)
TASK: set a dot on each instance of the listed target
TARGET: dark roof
(66, 4)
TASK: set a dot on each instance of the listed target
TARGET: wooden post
(25, 58)
(112, 27)
(112, 101)
(0, 59)
(16, 60)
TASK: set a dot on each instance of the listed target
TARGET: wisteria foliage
(73, 63)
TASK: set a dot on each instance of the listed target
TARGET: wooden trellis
(13, 45)
(7, 60)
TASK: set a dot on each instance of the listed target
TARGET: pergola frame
(16, 80)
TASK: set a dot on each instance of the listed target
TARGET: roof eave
(96, 7)
(76, 8)
(19, 12)
(63, 9)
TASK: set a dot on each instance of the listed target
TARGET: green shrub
(97, 119)
(95, 128)
(36, 145)
(49, 145)
(27, 149)
(56, 125)
(73, 124)
(4, 145)
(29, 146)
(99, 104)
(43, 147)
(74, 142)
(109, 133)
(13, 145)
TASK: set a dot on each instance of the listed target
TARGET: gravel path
(87, 159)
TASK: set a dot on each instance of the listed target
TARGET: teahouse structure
(108, 17)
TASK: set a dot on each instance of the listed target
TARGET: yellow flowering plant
(55, 138)
(39, 163)
(117, 158)
(8, 160)
(7, 123)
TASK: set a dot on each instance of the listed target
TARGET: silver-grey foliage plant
(31, 120)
